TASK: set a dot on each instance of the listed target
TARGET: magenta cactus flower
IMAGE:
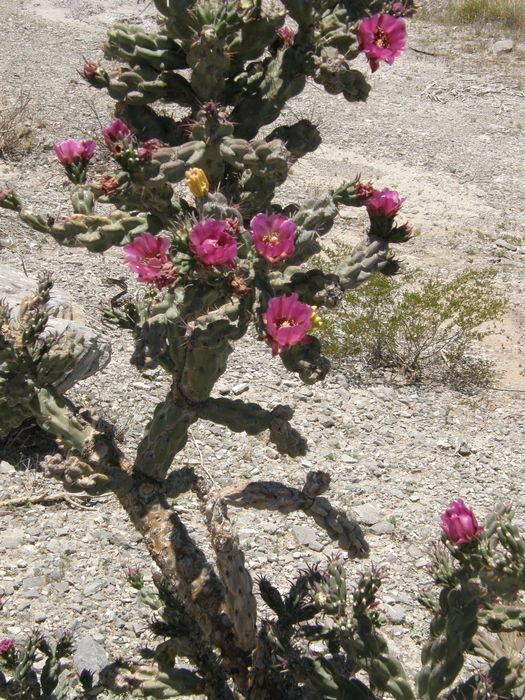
(212, 244)
(5, 646)
(384, 203)
(273, 236)
(381, 38)
(459, 523)
(71, 152)
(287, 322)
(116, 132)
(148, 257)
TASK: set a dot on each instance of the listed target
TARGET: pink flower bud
(89, 70)
(71, 152)
(116, 132)
(6, 645)
(287, 322)
(459, 524)
(212, 244)
(273, 236)
(4, 194)
(384, 203)
(287, 35)
(148, 257)
(149, 147)
(382, 38)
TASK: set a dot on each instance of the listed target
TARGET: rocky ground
(445, 127)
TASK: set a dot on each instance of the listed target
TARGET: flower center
(154, 261)
(285, 323)
(381, 38)
(272, 239)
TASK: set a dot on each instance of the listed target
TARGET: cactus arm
(313, 287)
(503, 618)
(306, 360)
(82, 200)
(184, 565)
(238, 589)
(99, 233)
(165, 436)
(252, 419)
(147, 681)
(138, 48)
(453, 632)
(366, 259)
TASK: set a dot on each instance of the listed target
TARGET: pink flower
(459, 523)
(116, 132)
(4, 193)
(149, 147)
(384, 203)
(382, 38)
(6, 645)
(70, 152)
(212, 244)
(148, 256)
(287, 322)
(273, 236)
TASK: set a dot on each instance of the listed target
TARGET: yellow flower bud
(197, 182)
(317, 321)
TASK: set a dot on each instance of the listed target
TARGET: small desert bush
(508, 13)
(15, 135)
(424, 326)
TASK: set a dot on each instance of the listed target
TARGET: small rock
(6, 468)
(502, 243)
(368, 514)
(90, 655)
(307, 537)
(463, 449)
(240, 388)
(396, 614)
(503, 45)
(13, 540)
(33, 582)
(328, 422)
(383, 527)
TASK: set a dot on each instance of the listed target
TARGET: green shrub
(509, 13)
(425, 328)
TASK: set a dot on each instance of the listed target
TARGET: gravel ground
(445, 128)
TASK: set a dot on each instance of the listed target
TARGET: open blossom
(459, 523)
(384, 203)
(71, 152)
(148, 257)
(273, 236)
(382, 38)
(116, 132)
(287, 322)
(212, 244)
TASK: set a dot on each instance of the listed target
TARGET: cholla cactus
(225, 256)
(18, 675)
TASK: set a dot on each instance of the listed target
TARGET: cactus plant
(218, 261)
